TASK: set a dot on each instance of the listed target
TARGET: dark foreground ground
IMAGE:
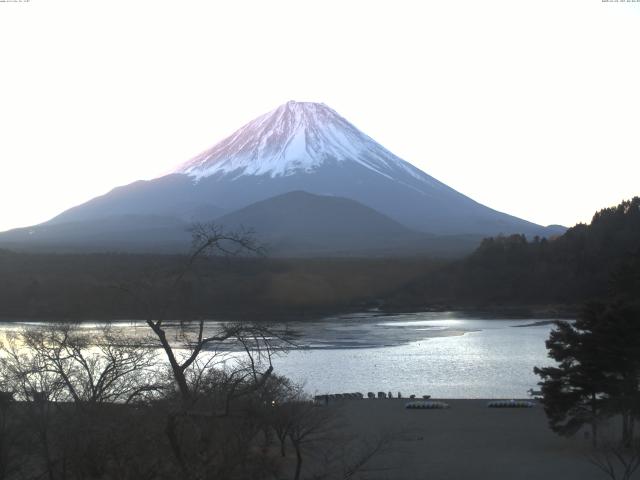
(467, 441)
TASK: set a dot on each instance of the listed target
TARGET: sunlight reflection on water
(446, 355)
(424, 354)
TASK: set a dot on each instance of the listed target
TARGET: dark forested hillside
(508, 271)
(568, 269)
(111, 286)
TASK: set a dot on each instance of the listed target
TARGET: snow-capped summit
(298, 147)
(295, 137)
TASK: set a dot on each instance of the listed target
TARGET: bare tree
(47, 368)
(318, 440)
(9, 433)
(214, 366)
(309, 424)
(281, 417)
(29, 381)
(257, 340)
(617, 461)
(95, 367)
(350, 457)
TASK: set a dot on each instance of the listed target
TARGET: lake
(443, 354)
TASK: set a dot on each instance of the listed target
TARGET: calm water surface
(446, 355)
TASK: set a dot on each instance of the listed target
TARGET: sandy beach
(467, 441)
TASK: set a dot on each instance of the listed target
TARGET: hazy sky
(530, 107)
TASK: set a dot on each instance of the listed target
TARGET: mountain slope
(120, 233)
(306, 146)
(171, 195)
(290, 225)
(361, 198)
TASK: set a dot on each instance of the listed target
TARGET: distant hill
(302, 223)
(290, 225)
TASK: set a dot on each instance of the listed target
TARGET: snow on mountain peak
(295, 137)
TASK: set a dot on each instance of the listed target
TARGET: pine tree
(573, 391)
(598, 371)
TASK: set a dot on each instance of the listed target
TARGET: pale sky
(530, 107)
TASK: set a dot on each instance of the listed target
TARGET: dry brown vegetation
(89, 286)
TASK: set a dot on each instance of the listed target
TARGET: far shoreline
(544, 313)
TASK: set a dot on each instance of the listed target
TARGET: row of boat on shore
(358, 395)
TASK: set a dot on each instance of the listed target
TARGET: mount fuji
(298, 147)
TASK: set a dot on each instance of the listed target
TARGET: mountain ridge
(302, 146)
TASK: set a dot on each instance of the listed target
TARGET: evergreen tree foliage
(598, 371)
(570, 269)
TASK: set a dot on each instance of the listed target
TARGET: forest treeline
(581, 265)
(507, 271)
(108, 286)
